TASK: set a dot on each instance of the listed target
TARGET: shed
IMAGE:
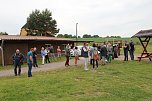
(9, 43)
(144, 37)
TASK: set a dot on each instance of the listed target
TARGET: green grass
(136, 40)
(118, 81)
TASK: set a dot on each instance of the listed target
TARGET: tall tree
(41, 23)
(3, 33)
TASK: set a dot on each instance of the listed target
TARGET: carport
(144, 37)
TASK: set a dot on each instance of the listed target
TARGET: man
(85, 55)
(34, 58)
(17, 60)
(126, 49)
(103, 53)
(52, 53)
(132, 49)
(29, 62)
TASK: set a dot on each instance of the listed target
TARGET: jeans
(92, 62)
(67, 61)
(17, 64)
(47, 59)
(35, 62)
(126, 55)
(131, 54)
(30, 69)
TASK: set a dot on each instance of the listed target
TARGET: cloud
(102, 17)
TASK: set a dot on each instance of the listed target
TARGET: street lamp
(76, 32)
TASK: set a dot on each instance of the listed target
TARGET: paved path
(45, 67)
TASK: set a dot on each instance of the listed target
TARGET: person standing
(47, 55)
(76, 54)
(94, 56)
(85, 55)
(29, 62)
(126, 49)
(110, 52)
(17, 61)
(59, 52)
(43, 55)
(103, 53)
(131, 50)
(35, 57)
(52, 53)
(67, 54)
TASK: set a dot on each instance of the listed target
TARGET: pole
(76, 32)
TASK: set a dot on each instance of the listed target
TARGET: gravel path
(51, 66)
(45, 67)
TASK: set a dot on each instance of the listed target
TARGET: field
(118, 81)
(136, 40)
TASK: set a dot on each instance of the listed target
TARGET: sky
(96, 17)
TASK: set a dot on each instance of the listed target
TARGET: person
(94, 56)
(85, 55)
(67, 54)
(17, 61)
(29, 62)
(126, 49)
(43, 55)
(76, 54)
(59, 52)
(131, 50)
(110, 52)
(34, 57)
(47, 55)
(103, 53)
(52, 53)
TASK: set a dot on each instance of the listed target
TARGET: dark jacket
(103, 51)
(18, 58)
(34, 54)
(84, 53)
(132, 48)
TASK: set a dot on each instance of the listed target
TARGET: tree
(87, 36)
(95, 36)
(41, 24)
(60, 36)
(3, 33)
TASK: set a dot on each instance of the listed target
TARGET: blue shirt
(43, 53)
(28, 57)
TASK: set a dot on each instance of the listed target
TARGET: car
(79, 50)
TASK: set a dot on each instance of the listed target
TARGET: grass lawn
(118, 81)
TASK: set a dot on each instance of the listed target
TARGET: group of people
(49, 52)
(106, 52)
(18, 58)
(92, 54)
(129, 47)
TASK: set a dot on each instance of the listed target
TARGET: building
(9, 43)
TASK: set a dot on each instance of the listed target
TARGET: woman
(76, 54)
(94, 56)
(59, 52)
(43, 55)
(67, 54)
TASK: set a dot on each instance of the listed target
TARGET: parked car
(79, 50)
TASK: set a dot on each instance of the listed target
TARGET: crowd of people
(104, 53)
(91, 54)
